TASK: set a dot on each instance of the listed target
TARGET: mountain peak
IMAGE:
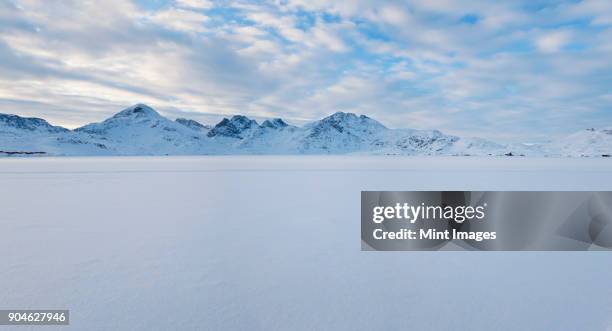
(233, 127)
(347, 117)
(275, 123)
(342, 121)
(243, 122)
(138, 114)
(137, 110)
(340, 115)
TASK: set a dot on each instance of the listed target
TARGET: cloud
(394, 15)
(600, 11)
(552, 42)
(195, 4)
(524, 68)
(180, 19)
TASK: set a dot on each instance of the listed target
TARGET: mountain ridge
(141, 130)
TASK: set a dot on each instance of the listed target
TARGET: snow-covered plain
(273, 243)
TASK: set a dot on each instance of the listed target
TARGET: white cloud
(599, 10)
(395, 15)
(553, 41)
(195, 4)
(180, 19)
(329, 38)
(409, 64)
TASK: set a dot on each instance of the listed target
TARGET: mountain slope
(589, 142)
(194, 125)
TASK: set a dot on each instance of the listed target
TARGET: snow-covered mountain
(14, 123)
(589, 142)
(340, 133)
(238, 127)
(20, 135)
(140, 130)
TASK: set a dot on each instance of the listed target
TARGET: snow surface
(140, 130)
(273, 243)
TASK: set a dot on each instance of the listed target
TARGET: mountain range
(140, 130)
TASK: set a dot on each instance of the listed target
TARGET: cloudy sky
(514, 70)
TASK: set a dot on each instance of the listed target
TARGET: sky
(509, 70)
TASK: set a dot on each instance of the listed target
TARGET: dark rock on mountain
(235, 127)
(276, 123)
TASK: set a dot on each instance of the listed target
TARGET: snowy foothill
(273, 243)
(140, 130)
